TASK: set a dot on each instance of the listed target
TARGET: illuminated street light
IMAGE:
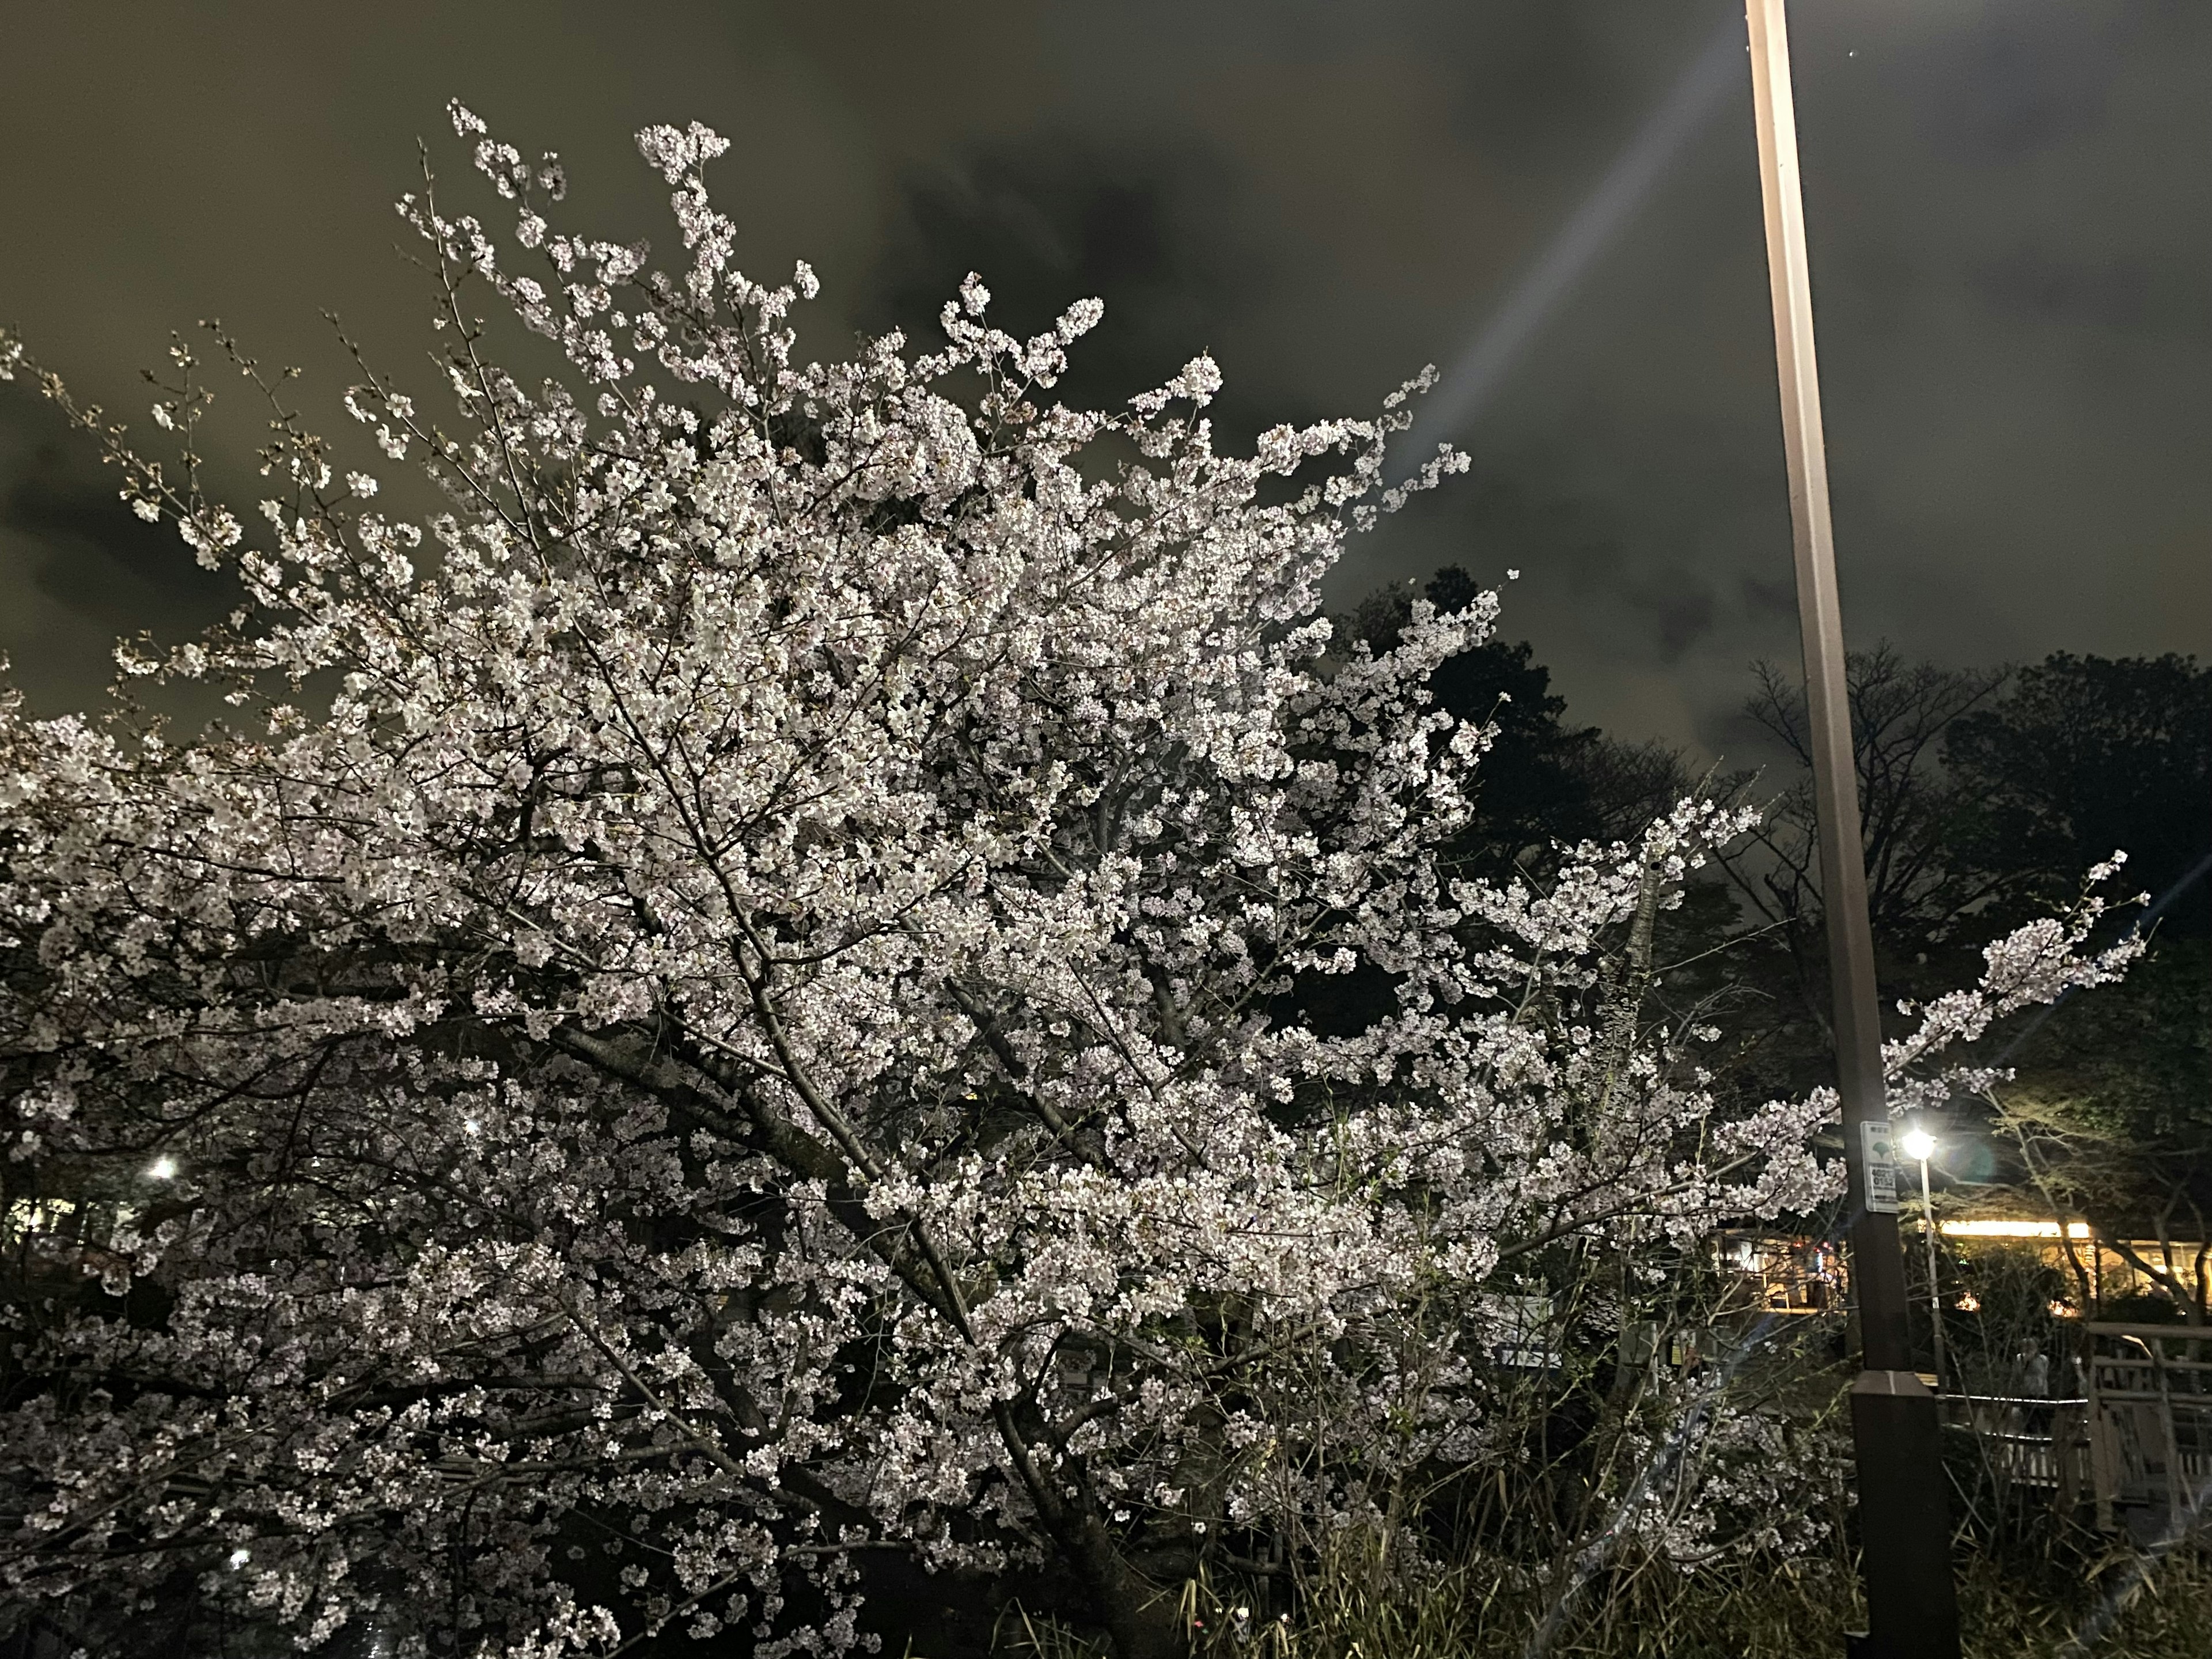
(163, 1168)
(1912, 1608)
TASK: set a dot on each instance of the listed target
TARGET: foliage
(1977, 789)
(1922, 900)
(1544, 785)
(1917, 889)
(2111, 1117)
(752, 1031)
(2068, 1603)
(2091, 752)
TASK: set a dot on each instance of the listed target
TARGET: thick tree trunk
(1142, 1622)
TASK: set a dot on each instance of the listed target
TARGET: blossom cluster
(767, 1011)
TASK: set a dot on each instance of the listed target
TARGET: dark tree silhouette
(2084, 755)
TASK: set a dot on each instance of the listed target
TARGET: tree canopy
(722, 1012)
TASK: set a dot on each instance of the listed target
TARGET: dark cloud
(1684, 608)
(77, 570)
(2031, 283)
(2007, 215)
(1530, 72)
(1059, 216)
(2046, 77)
(1770, 596)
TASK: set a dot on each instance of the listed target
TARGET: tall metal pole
(1905, 1534)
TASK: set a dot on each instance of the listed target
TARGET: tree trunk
(1142, 1622)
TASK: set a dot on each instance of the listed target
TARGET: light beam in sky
(1604, 214)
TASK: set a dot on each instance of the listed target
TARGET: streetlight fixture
(1920, 1147)
(1911, 1604)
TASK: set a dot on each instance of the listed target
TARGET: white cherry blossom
(744, 996)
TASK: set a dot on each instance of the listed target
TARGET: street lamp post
(1906, 1533)
(1920, 1147)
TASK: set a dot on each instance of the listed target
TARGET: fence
(2138, 1446)
(2150, 1421)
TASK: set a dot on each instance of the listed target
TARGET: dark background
(2010, 207)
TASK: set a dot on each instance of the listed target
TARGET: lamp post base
(1904, 1531)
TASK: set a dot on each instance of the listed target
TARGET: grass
(2121, 1604)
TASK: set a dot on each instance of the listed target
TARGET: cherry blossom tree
(736, 1000)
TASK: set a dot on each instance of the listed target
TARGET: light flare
(1595, 225)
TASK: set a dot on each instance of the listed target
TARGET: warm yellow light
(2012, 1229)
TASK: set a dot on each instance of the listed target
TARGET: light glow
(163, 1168)
(1594, 227)
(1918, 1144)
(2011, 1229)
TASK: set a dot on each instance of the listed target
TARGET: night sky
(2010, 206)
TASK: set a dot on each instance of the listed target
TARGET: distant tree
(1545, 784)
(2083, 754)
(1918, 890)
(1919, 896)
(1984, 794)
(2110, 1113)
(2108, 1121)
